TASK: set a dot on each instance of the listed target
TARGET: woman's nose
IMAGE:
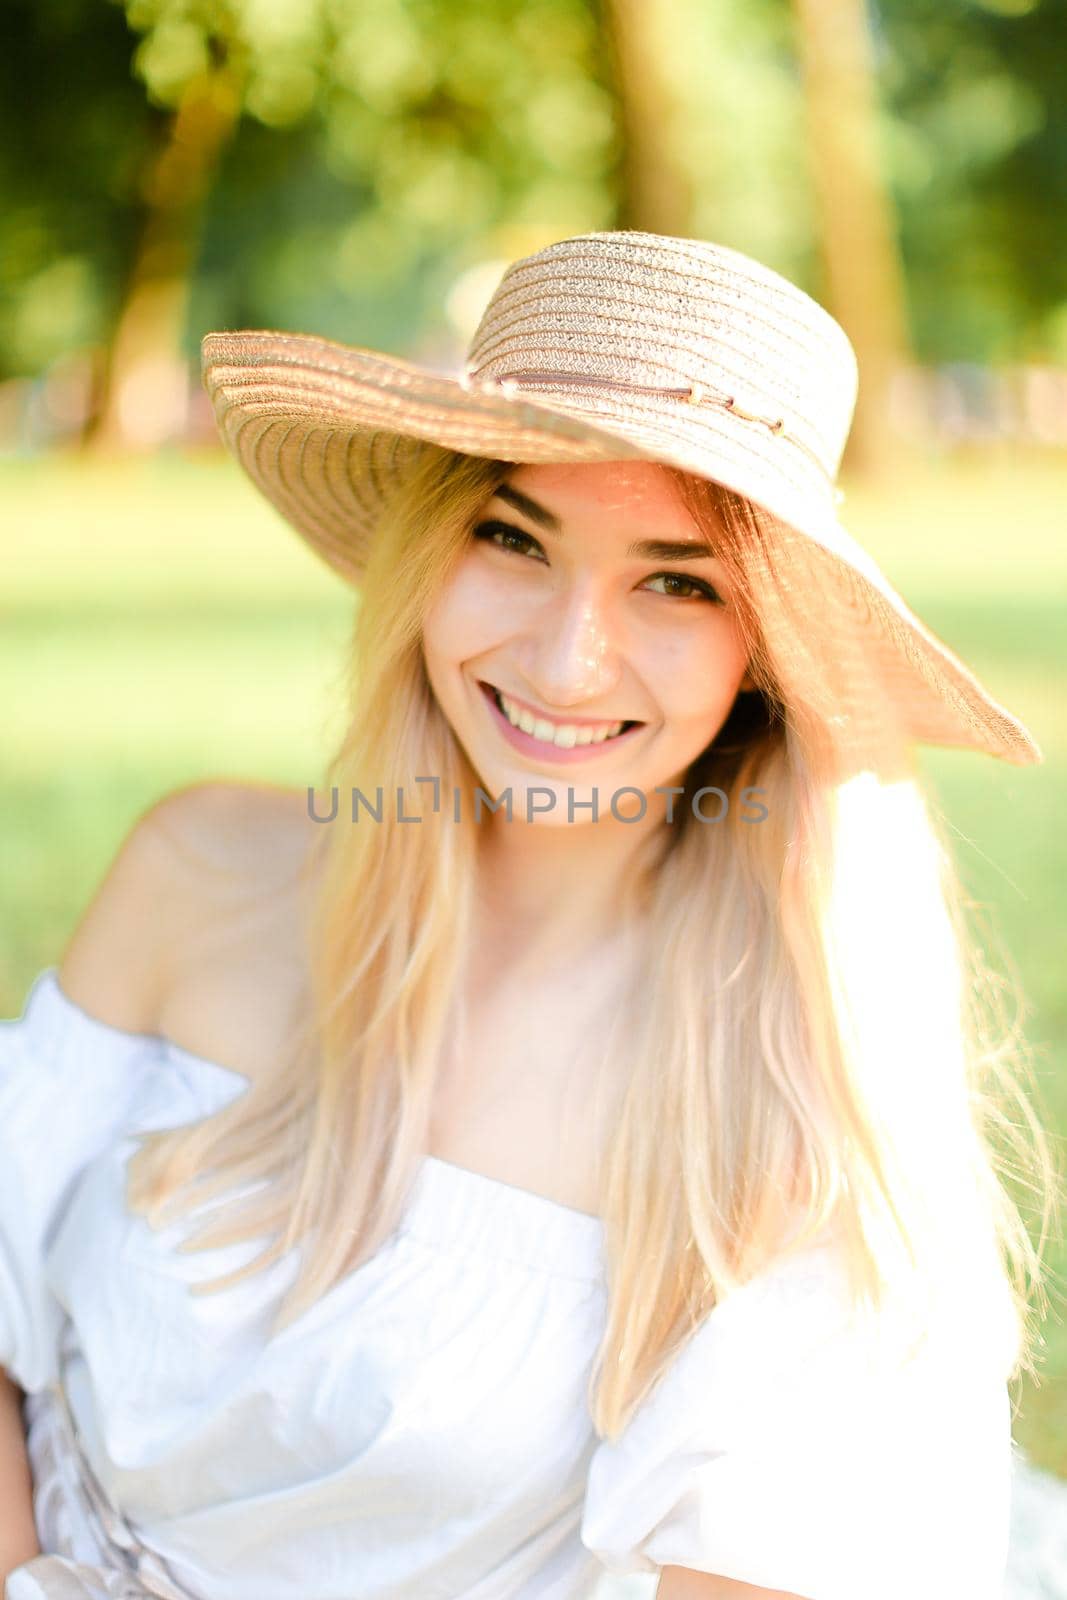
(575, 656)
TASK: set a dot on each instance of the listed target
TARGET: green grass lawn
(159, 624)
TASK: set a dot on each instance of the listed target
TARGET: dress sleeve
(794, 1449)
(54, 1577)
(67, 1082)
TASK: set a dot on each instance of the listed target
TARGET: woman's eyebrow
(530, 508)
(672, 550)
(647, 549)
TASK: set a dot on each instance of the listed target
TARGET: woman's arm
(112, 968)
(681, 1583)
(18, 1531)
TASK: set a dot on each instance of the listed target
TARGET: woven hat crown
(663, 320)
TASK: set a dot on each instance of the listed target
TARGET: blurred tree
(655, 189)
(977, 148)
(146, 387)
(72, 124)
(856, 226)
(735, 127)
(441, 134)
(372, 163)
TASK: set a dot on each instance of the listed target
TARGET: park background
(365, 169)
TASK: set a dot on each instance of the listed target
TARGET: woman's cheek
(492, 606)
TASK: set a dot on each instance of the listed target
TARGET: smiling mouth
(494, 693)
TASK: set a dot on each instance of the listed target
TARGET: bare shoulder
(188, 862)
(231, 828)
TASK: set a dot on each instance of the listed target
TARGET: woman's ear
(746, 685)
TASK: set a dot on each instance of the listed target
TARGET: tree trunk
(146, 383)
(655, 193)
(864, 279)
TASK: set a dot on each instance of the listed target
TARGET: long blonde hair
(817, 1047)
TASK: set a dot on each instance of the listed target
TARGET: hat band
(692, 393)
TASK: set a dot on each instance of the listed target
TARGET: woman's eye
(698, 589)
(517, 542)
(506, 537)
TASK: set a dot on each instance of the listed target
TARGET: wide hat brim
(326, 431)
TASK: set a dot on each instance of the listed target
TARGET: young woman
(563, 1140)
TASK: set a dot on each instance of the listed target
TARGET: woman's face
(574, 604)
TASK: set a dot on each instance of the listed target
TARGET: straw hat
(607, 347)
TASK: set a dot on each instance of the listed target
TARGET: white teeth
(565, 735)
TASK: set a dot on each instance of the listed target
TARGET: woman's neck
(551, 896)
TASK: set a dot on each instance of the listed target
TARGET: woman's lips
(542, 749)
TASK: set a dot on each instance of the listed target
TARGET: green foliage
(72, 125)
(976, 140)
(738, 129)
(383, 146)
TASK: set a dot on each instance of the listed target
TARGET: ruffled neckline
(450, 1206)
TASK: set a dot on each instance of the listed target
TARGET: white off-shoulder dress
(422, 1432)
